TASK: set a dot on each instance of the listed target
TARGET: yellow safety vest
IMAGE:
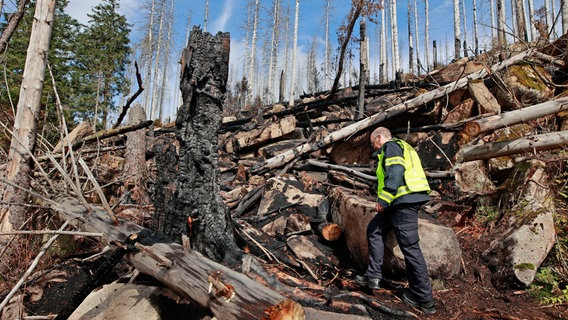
(414, 176)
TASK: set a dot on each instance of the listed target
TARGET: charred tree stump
(192, 186)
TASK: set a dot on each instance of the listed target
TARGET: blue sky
(230, 16)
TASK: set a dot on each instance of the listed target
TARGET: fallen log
(530, 144)
(396, 110)
(112, 132)
(479, 126)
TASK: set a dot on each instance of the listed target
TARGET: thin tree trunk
(206, 17)
(501, 39)
(252, 60)
(435, 50)
(554, 20)
(564, 5)
(294, 54)
(12, 24)
(418, 62)
(159, 41)
(532, 21)
(426, 35)
(164, 86)
(273, 47)
(327, 54)
(520, 18)
(465, 54)
(12, 213)
(493, 24)
(394, 26)
(149, 60)
(410, 40)
(363, 63)
(475, 31)
(383, 66)
(457, 27)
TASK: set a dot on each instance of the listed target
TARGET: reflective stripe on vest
(414, 176)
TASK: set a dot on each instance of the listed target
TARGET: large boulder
(527, 228)
(439, 244)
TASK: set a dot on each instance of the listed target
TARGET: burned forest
(264, 215)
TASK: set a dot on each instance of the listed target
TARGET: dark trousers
(403, 220)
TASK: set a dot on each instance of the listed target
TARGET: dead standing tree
(187, 191)
(13, 214)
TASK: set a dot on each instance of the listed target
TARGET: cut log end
(287, 309)
(472, 129)
(329, 231)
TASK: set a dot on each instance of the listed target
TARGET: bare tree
(493, 25)
(502, 40)
(148, 48)
(327, 54)
(410, 39)
(520, 19)
(475, 31)
(418, 62)
(165, 68)
(206, 17)
(286, 22)
(294, 54)
(394, 30)
(457, 26)
(358, 7)
(564, 6)
(532, 20)
(14, 195)
(426, 34)
(159, 47)
(363, 68)
(383, 65)
(554, 20)
(464, 12)
(252, 60)
(274, 46)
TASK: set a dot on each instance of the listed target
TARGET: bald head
(379, 137)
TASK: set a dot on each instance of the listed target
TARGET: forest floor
(469, 295)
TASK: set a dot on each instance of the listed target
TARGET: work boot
(371, 283)
(409, 298)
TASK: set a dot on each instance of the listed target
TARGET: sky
(230, 16)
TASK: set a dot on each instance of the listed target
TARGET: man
(402, 190)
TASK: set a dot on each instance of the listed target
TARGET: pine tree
(107, 41)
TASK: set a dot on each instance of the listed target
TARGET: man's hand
(379, 208)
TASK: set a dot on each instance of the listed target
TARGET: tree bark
(529, 144)
(13, 215)
(188, 187)
(477, 127)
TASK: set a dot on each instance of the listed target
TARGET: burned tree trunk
(190, 191)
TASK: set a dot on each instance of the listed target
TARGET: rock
(118, 301)
(515, 255)
(439, 244)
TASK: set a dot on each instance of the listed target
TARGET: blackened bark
(194, 188)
